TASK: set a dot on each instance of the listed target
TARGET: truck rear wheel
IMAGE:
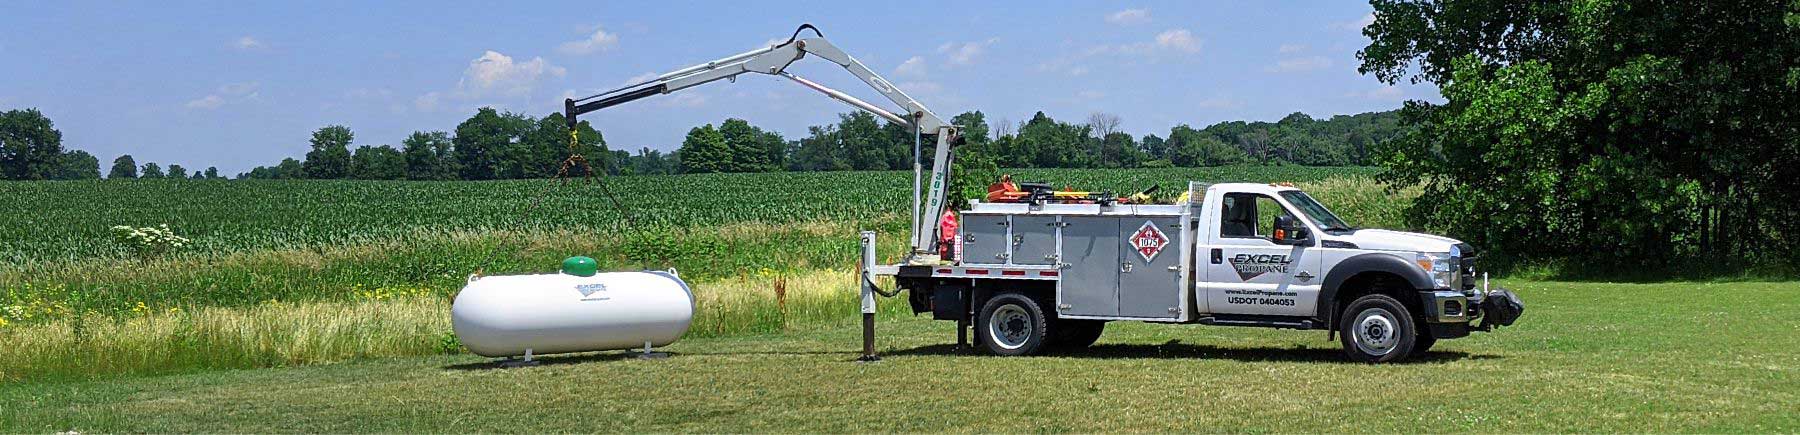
(1076, 334)
(1376, 328)
(1011, 324)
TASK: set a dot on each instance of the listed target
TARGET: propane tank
(577, 310)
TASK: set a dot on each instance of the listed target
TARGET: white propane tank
(504, 316)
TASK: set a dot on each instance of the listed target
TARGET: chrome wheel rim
(1010, 327)
(1375, 332)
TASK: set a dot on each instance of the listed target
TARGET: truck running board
(1256, 321)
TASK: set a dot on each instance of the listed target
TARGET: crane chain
(562, 173)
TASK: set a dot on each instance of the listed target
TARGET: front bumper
(1452, 313)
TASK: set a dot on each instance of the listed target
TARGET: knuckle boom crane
(928, 198)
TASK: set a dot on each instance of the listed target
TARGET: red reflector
(1012, 272)
(944, 271)
(978, 271)
(1047, 273)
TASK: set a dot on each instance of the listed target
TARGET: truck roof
(1254, 187)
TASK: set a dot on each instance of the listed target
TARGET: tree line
(858, 142)
(493, 144)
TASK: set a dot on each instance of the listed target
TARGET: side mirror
(1289, 231)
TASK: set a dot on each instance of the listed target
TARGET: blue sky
(240, 84)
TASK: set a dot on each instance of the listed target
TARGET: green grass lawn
(1677, 357)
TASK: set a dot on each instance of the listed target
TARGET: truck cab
(1036, 276)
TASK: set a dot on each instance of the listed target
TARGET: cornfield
(70, 220)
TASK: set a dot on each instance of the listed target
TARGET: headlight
(1441, 267)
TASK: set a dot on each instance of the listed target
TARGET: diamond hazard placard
(1148, 241)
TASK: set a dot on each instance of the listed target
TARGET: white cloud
(1300, 64)
(967, 52)
(599, 41)
(206, 103)
(247, 43)
(1178, 39)
(1129, 17)
(913, 67)
(1384, 93)
(492, 76)
(224, 94)
(244, 89)
(1291, 48)
(497, 74)
(1357, 25)
(428, 102)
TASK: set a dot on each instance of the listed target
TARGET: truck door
(1150, 267)
(1090, 286)
(1247, 272)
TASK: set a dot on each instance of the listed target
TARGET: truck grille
(1466, 267)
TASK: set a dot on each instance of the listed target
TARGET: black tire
(1376, 328)
(1011, 324)
(1422, 343)
(1072, 334)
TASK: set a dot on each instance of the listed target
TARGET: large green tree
(151, 171)
(1188, 147)
(377, 163)
(428, 156)
(1638, 133)
(820, 150)
(751, 148)
(123, 167)
(330, 155)
(485, 142)
(704, 150)
(77, 165)
(30, 146)
(546, 146)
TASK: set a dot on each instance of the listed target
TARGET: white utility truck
(1037, 275)
(1047, 270)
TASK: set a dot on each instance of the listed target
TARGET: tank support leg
(647, 354)
(527, 362)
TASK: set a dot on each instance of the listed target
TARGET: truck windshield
(1313, 209)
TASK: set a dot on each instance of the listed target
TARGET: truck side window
(1249, 215)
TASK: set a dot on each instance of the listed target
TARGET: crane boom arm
(774, 60)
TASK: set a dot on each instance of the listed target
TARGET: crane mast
(928, 195)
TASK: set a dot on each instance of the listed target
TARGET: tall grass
(381, 323)
(440, 261)
(1364, 202)
(267, 335)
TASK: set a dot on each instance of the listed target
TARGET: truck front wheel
(1011, 324)
(1376, 328)
(1071, 334)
